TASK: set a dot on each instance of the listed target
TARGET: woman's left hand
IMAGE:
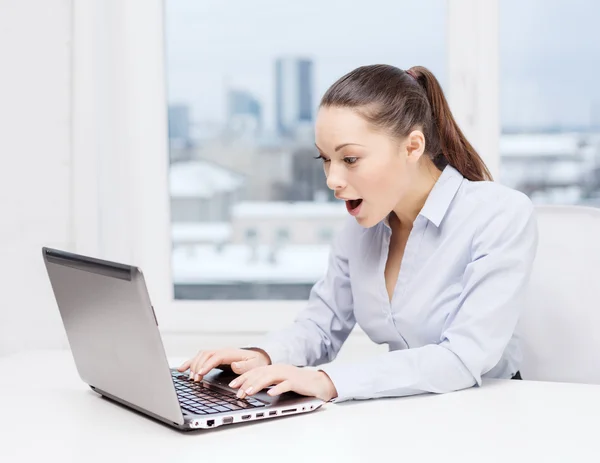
(286, 378)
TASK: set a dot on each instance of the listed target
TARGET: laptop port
(260, 415)
(273, 413)
(246, 417)
(289, 410)
(228, 420)
(210, 423)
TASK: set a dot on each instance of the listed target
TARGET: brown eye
(350, 160)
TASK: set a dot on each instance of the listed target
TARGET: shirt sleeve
(475, 337)
(319, 331)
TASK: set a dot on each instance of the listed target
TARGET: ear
(415, 146)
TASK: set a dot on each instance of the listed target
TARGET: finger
(261, 382)
(185, 365)
(204, 364)
(237, 382)
(258, 379)
(225, 357)
(214, 361)
(243, 366)
(200, 359)
(196, 363)
(282, 387)
(246, 383)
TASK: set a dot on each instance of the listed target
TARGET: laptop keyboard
(203, 399)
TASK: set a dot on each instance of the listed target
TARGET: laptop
(114, 338)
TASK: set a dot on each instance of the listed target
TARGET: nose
(336, 179)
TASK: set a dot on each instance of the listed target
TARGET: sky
(549, 51)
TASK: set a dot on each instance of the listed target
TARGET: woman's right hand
(241, 361)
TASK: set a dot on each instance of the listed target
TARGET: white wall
(35, 170)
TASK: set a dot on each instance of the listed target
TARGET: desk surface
(48, 414)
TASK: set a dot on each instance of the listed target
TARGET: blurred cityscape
(251, 214)
(252, 217)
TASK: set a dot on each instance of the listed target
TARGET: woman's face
(368, 169)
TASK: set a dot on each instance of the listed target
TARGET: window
(251, 235)
(325, 234)
(244, 82)
(283, 235)
(124, 188)
(550, 101)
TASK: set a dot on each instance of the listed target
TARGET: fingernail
(201, 371)
(235, 364)
(249, 390)
(233, 383)
(197, 378)
(191, 374)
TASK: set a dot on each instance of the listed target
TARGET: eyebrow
(339, 147)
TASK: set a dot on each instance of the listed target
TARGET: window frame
(120, 159)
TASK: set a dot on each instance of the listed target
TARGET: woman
(433, 260)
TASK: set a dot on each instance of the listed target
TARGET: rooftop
(282, 209)
(202, 179)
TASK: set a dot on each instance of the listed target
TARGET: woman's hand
(241, 361)
(285, 378)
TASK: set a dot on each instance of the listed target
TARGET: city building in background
(244, 118)
(267, 250)
(179, 124)
(251, 214)
(294, 96)
(203, 192)
(552, 168)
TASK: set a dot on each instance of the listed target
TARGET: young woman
(432, 261)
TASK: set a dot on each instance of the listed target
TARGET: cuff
(276, 351)
(342, 379)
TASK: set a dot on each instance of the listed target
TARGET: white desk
(48, 414)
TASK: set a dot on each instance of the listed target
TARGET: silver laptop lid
(112, 330)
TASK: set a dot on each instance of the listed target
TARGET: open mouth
(353, 206)
(354, 203)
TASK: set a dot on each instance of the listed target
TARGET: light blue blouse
(455, 305)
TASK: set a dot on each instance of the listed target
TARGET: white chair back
(560, 329)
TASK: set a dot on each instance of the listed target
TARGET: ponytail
(399, 101)
(454, 146)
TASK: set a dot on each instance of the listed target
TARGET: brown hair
(399, 101)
